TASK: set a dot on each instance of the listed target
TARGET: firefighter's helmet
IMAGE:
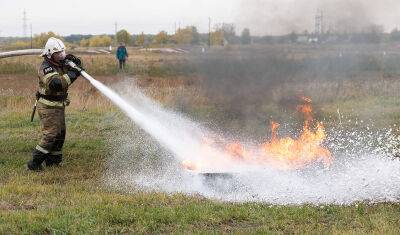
(53, 45)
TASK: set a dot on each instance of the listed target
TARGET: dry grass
(18, 91)
(331, 91)
(139, 63)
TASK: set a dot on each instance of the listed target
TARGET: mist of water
(174, 132)
(361, 171)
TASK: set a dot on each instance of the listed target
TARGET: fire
(190, 165)
(292, 153)
(236, 150)
(281, 153)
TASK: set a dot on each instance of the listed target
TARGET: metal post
(31, 37)
(116, 31)
(209, 31)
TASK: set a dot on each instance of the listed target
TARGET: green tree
(245, 37)
(84, 43)
(100, 41)
(293, 37)
(161, 38)
(140, 39)
(217, 37)
(196, 36)
(395, 35)
(188, 35)
(124, 36)
(229, 32)
(183, 36)
(17, 45)
(39, 40)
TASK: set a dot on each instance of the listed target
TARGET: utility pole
(209, 31)
(175, 28)
(24, 25)
(319, 28)
(322, 23)
(31, 36)
(116, 30)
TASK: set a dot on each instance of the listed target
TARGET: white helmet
(53, 45)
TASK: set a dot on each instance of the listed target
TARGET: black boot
(53, 160)
(37, 159)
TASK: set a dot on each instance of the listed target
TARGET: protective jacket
(122, 53)
(54, 81)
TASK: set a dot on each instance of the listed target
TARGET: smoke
(282, 17)
(253, 86)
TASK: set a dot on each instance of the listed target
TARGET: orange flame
(188, 165)
(282, 153)
(274, 130)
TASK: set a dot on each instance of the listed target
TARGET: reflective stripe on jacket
(47, 73)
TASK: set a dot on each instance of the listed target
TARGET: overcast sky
(151, 16)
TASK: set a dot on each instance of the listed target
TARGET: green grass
(73, 199)
(382, 111)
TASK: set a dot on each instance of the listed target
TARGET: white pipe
(20, 53)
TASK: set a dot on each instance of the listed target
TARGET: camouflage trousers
(53, 130)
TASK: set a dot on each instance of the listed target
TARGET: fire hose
(20, 53)
(38, 52)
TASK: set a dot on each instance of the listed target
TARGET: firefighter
(55, 77)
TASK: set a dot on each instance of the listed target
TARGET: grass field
(73, 199)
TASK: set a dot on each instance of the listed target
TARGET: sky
(152, 16)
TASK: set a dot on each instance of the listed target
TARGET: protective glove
(76, 66)
(74, 59)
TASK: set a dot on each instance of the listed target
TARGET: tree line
(183, 36)
(222, 34)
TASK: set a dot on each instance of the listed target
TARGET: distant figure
(122, 54)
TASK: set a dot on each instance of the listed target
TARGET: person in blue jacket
(122, 54)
